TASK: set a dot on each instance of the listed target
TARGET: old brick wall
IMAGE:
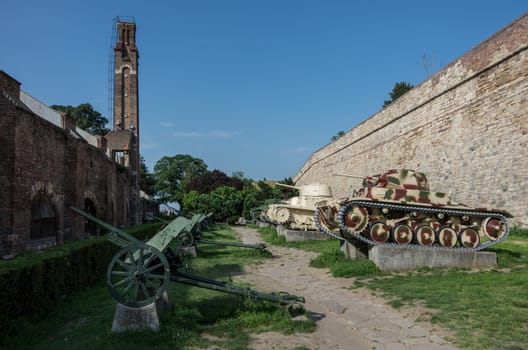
(39, 158)
(466, 128)
(7, 170)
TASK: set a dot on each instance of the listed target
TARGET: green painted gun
(139, 273)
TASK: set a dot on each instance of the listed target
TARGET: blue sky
(245, 85)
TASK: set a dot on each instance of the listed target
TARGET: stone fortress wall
(466, 128)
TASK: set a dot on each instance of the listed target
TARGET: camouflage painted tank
(296, 213)
(397, 209)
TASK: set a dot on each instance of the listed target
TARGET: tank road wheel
(493, 228)
(424, 235)
(379, 232)
(282, 215)
(138, 275)
(469, 237)
(447, 237)
(402, 234)
(356, 219)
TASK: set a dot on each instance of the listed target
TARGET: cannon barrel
(281, 298)
(289, 186)
(352, 176)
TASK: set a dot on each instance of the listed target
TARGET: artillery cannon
(297, 212)
(397, 209)
(189, 239)
(139, 273)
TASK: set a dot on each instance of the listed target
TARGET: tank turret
(397, 208)
(297, 212)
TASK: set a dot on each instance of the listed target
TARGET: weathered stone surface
(466, 128)
(351, 251)
(135, 319)
(401, 259)
(293, 235)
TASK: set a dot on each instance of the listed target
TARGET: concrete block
(263, 224)
(135, 319)
(189, 251)
(293, 235)
(280, 230)
(163, 303)
(401, 259)
(352, 251)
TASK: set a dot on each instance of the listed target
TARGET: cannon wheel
(138, 275)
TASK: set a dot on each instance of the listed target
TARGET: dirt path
(346, 319)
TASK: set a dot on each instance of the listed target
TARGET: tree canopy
(146, 179)
(211, 180)
(172, 174)
(338, 135)
(86, 118)
(398, 90)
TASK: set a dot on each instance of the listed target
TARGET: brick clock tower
(123, 140)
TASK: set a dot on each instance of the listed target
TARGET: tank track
(410, 208)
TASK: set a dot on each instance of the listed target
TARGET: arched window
(90, 227)
(43, 218)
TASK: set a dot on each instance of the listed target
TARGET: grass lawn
(199, 318)
(486, 309)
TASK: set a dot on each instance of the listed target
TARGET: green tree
(86, 118)
(211, 180)
(225, 202)
(338, 135)
(172, 174)
(147, 183)
(397, 91)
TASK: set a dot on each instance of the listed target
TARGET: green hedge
(33, 282)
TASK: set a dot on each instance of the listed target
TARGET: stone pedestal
(294, 235)
(401, 259)
(351, 251)
(135, 319)
(189, 251)
(263, 224)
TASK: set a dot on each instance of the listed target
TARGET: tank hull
(411, 216)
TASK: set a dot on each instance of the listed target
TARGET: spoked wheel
(379, 232)
(138, 275)
(424, 235)
(493, 228)
(469, 237)
(186, 239)
(402, 234)
(447, 237)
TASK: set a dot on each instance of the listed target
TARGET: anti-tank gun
(139, 273)
(297, 212)
(200, 221)
(397, 208)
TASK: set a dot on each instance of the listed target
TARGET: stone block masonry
(466, 128)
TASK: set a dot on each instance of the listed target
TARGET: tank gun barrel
(352, 176)
(289, 186)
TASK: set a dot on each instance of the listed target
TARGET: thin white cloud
(214, 134)
(188, 134)
(222, 134)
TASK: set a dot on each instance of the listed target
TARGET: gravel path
(346, 319)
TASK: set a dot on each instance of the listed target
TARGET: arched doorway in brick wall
(90, 227)
(44, 221)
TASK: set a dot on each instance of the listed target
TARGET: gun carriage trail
(345, 318)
